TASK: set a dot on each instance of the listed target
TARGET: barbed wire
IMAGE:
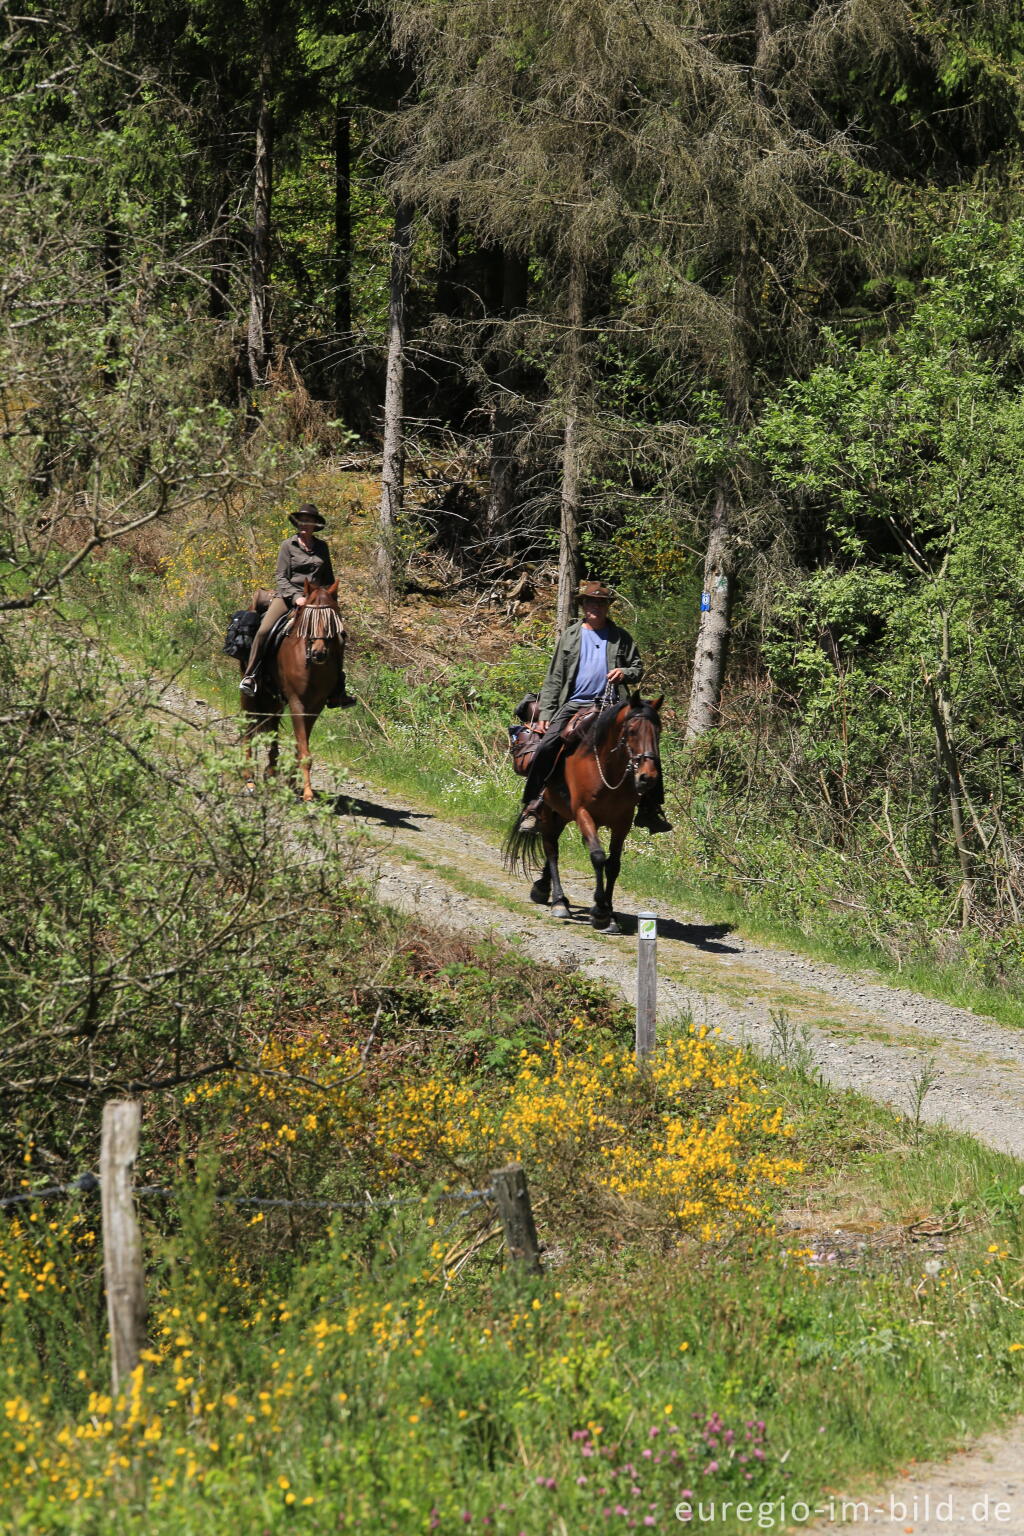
(89, 1183)
(86, 1183)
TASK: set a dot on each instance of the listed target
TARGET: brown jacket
(296, 564)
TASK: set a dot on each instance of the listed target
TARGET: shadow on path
(703, 936)
(384, 815)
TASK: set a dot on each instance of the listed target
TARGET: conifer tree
(679, 146)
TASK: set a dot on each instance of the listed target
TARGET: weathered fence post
(122, 1240)
(646, 982)
(512, 1197)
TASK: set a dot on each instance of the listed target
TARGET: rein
(632, 761)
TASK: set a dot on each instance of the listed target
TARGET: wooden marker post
(122, 1240)
(646, 983)
(512, 1197)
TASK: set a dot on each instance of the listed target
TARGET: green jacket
(622, 652)
(296, 563)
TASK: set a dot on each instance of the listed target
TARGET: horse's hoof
(540, 893)
(561, 910)
(602, 926)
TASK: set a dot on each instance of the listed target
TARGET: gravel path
(859, 1033)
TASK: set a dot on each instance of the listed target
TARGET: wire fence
(89, 1184)
(124, 1267)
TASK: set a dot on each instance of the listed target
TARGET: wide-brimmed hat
(595, 589)
(307, 513)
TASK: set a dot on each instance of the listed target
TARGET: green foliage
(350, 1383)
(148, 913)
(906, 455)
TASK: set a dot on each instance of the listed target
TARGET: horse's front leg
(559, 905)
(600, 912)
(613, 865)
(302, 726)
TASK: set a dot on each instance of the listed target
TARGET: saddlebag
(242, 627)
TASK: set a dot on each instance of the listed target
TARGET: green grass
(428, 750)
(289, 1388)
(341, 1386)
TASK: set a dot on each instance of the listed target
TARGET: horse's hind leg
(559, 905)
(272, 751)
(258, 725)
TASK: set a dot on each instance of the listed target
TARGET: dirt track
(860, 1033)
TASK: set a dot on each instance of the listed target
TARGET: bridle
(319, 622)
(633, 761)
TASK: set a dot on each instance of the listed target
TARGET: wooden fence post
(512, 1197)
(646, 983)
(122, 1240)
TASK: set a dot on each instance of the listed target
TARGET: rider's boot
(251, 679)
(651, 817)
(341, 698)
(528, 821)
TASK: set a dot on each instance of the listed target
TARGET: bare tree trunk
(259, 340)
(942, 721)
(715, 616)
(112, 259)
(569, 532)
(504, 467)
(719, 557)
(446, 298)
(343, 221)
(393, 470)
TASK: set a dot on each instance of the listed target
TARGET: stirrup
(249, 686)
(529, 818)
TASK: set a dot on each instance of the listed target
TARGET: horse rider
(591, 654)
(301, 558)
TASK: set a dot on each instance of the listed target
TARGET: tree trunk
(715, 614)
(446, 297)
(393, 469)
(569, 531)
(342, 222)
(504, 467)
(112, 259)
(949, 761)
(259, 340)
(719, 558)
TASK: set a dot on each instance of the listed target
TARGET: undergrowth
(749, 847)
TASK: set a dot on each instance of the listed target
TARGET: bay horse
(302, 675)
(613, 770)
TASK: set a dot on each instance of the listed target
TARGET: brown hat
(307, 513)
(595, 589)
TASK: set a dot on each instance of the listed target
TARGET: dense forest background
(719, 301)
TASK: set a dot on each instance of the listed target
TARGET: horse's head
(320, 622)
(641, 732)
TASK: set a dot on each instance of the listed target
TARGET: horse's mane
(597, 733)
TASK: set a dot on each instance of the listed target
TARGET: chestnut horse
(304, 673)
(614, 768)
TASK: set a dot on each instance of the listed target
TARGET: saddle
(524, 739)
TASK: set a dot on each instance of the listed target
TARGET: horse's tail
(523, 851)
